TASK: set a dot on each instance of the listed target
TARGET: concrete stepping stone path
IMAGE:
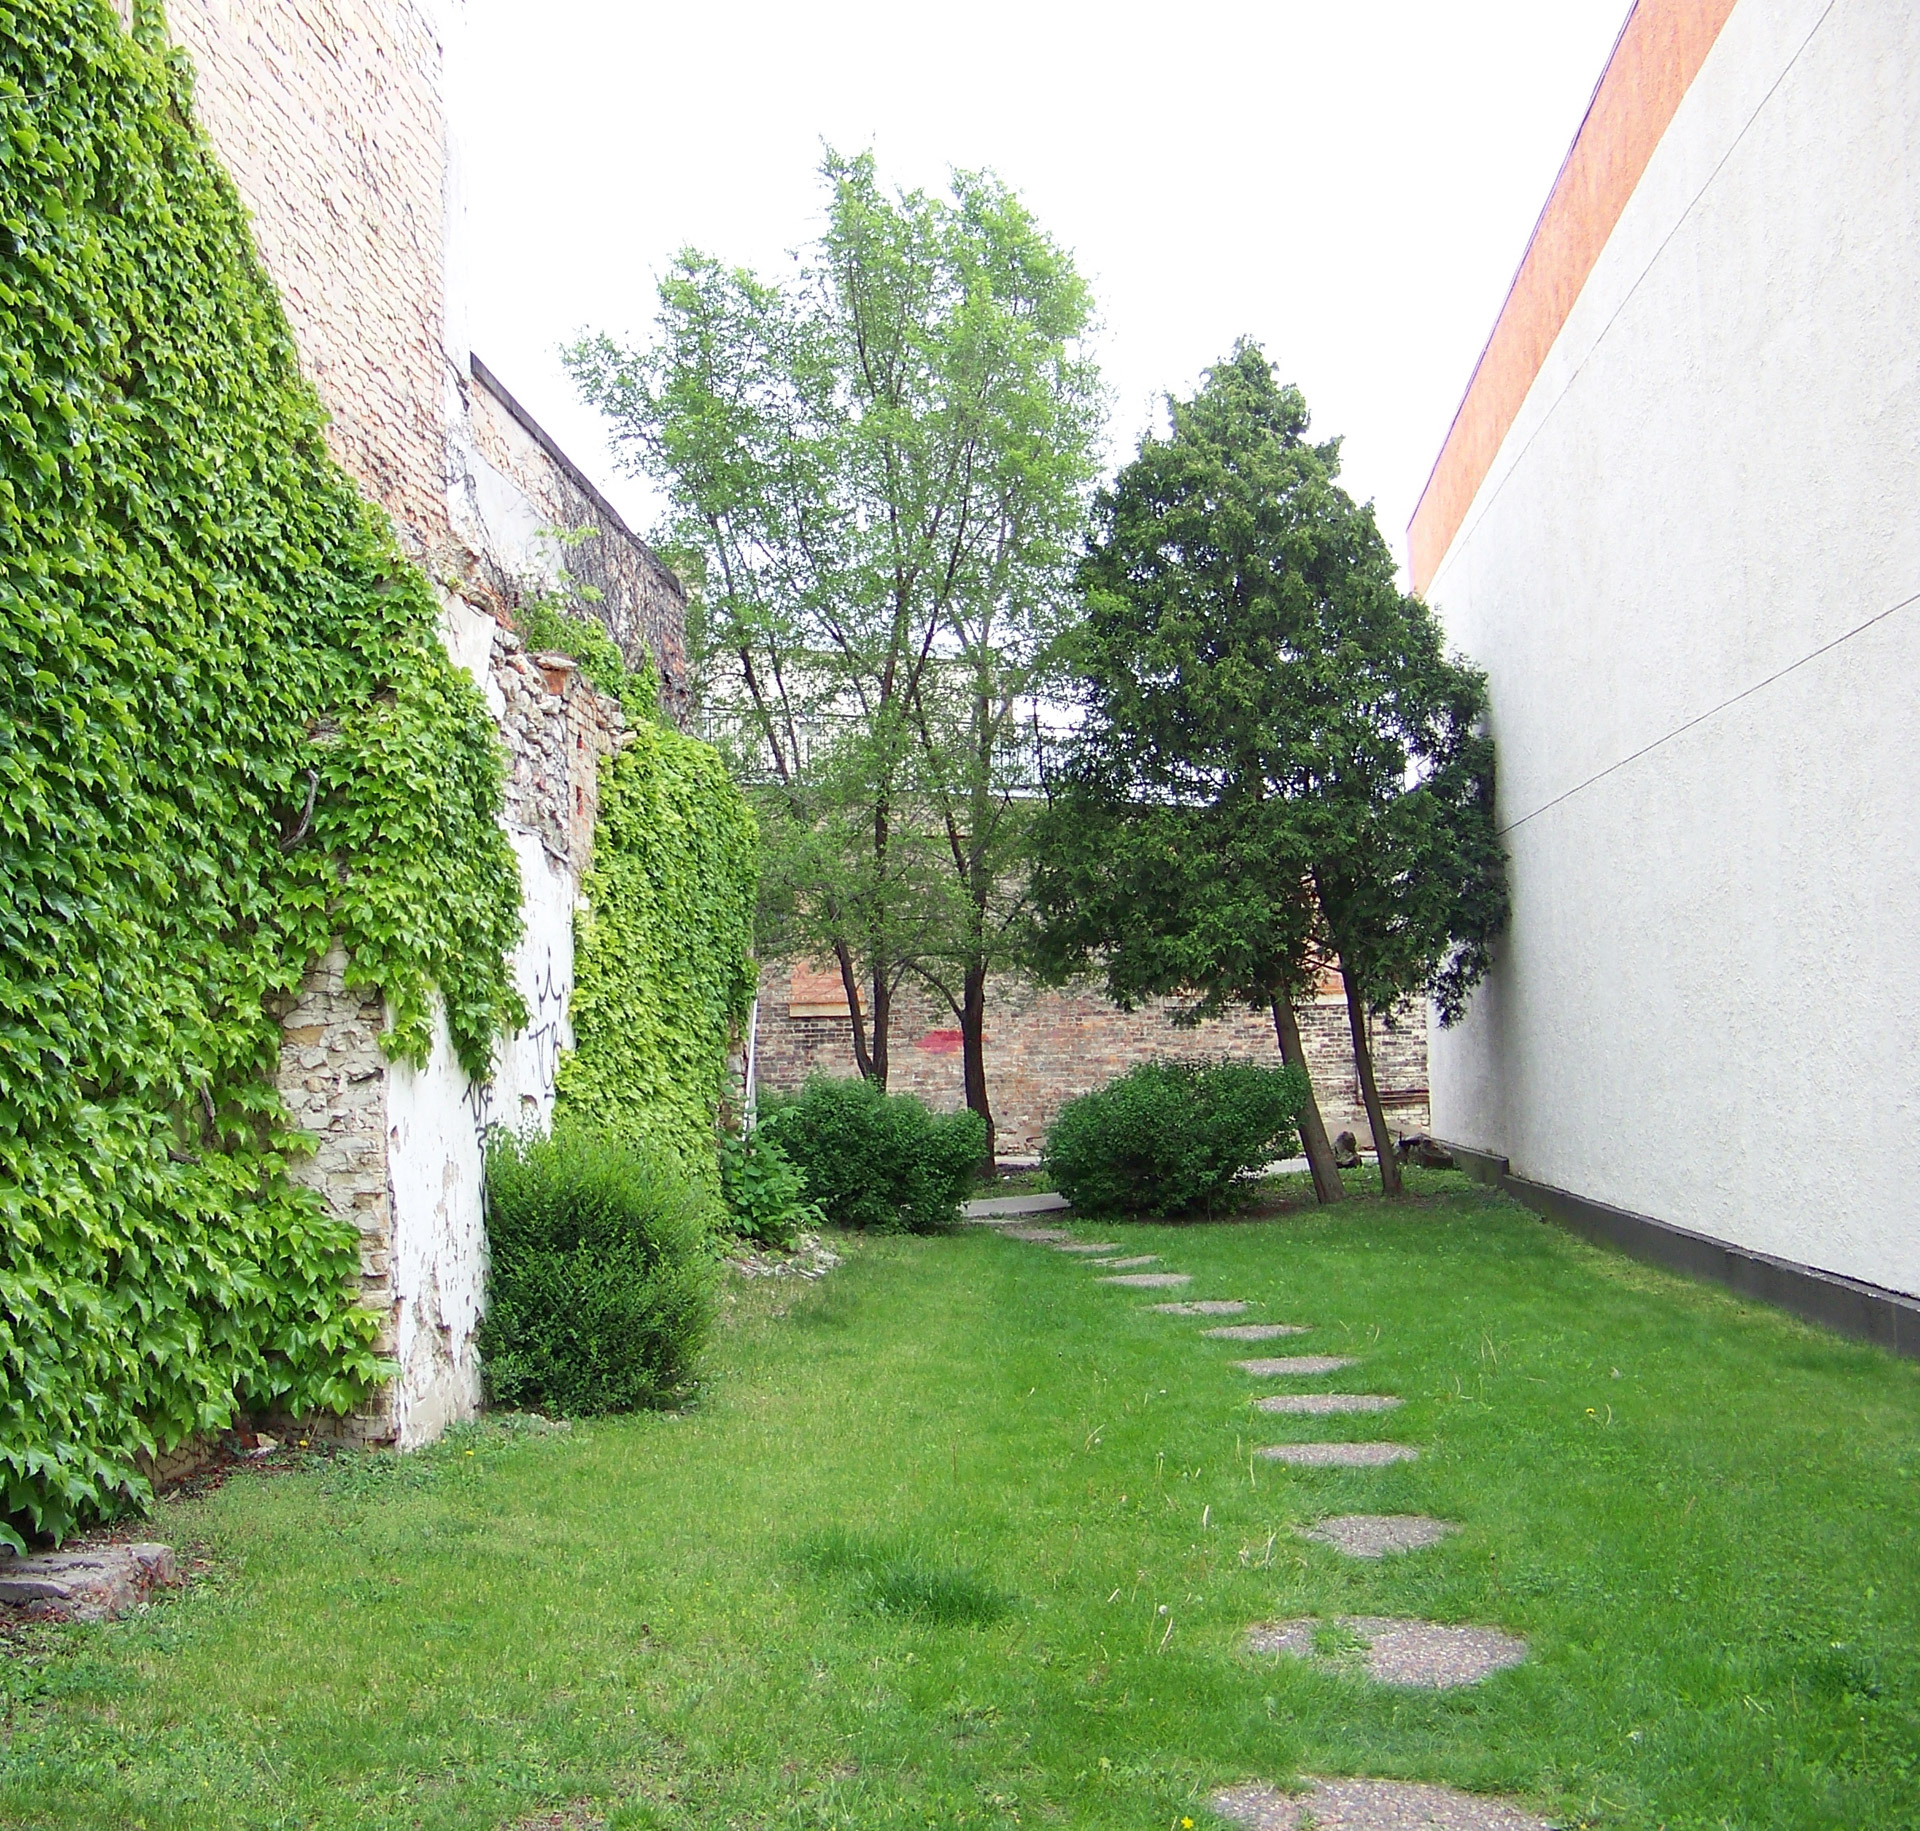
(1149, 1281)
(1370, 1805)
(1374, 1535)
(1285, 1365)
(1325, 1404)
(1085, 1245)
(1250, 1331)
(1338, 1455)
(1137, 1259)
(1036, 1236)
(1207, 1306)
(1395, 1651)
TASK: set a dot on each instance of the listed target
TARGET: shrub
(877, 1160)
(601, 1288)
(1172, 1137)
(766, 1196)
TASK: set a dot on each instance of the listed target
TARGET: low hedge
(1172, 1138)
(876, 1160)
(601, 1291)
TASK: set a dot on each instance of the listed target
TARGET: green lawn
(961, 1537)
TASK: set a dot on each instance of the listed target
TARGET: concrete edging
(1889, 1319)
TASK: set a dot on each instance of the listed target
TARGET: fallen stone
(1338, 1455)
(1247, 1331)
(1207, 1306)
(1374, 1535)
(1085, 1245)
(88, 1584)
(1346, 1151)
(994, 1208)
(1139, 1258)
(1395, 1651)
(1370, 1805)
(1324, 1404)
(1149, 1281)
(1285, 1365)
(1423, 1153)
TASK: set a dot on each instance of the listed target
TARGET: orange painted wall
(1659, 52)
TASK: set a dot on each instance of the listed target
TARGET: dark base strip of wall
(1845, 1305)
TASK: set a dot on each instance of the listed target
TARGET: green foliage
(552, 622)
(600, 1290)
(877, 470)
(663, 961)
(1261, 706)
(766, 1196)
(228, 736)
(1171, 1138)
(877, 1160)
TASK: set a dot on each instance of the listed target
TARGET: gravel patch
(1124, 1264)
(1208, 1306)
(1373, 1535)
(1324, 1404)
(1149, 1281)
(1396, 1651)
(1370, 1805)
(1283, 1365)
(1245, 1331)
(1338, 1455)
(995, 1208)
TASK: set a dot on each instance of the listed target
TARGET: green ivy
(228, 736)
(663, 958)
(550, 622)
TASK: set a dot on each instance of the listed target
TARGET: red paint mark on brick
(940, 1042)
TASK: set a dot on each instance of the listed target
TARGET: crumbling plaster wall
(332, 116)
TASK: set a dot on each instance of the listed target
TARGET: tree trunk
(851, 980)
(882, 1020)
(973, 1051)
(1327, 1185)
(1363, 1067)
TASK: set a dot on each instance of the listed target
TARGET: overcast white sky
(1352, 182)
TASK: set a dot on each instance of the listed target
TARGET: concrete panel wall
(1693, 576)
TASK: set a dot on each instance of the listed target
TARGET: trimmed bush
(766, 1196)
(876, 1160)
(1170, 1138)
(601, 1288)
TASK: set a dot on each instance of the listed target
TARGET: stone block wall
(1045, 1046)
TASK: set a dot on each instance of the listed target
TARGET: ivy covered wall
(228, 735)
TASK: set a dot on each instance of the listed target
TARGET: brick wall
(1043, 1047)
(329, 116)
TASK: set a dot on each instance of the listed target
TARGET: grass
(961, 1537)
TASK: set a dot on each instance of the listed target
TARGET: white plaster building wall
(1693, 577)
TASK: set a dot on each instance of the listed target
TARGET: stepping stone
(86, 1585)
(1139, 1258)
(1324, 1404)
(1370, 1805)
(1038, 1236)
(1396, 1651)
(1287, 1364)
(1149, 1281)
(1208, 1306)
(1085, 1245)
(995, 1208)
(1338, 1455)
(1373, 1535)
(1245, 1331)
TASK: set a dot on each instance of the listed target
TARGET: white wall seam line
(1700, 718)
